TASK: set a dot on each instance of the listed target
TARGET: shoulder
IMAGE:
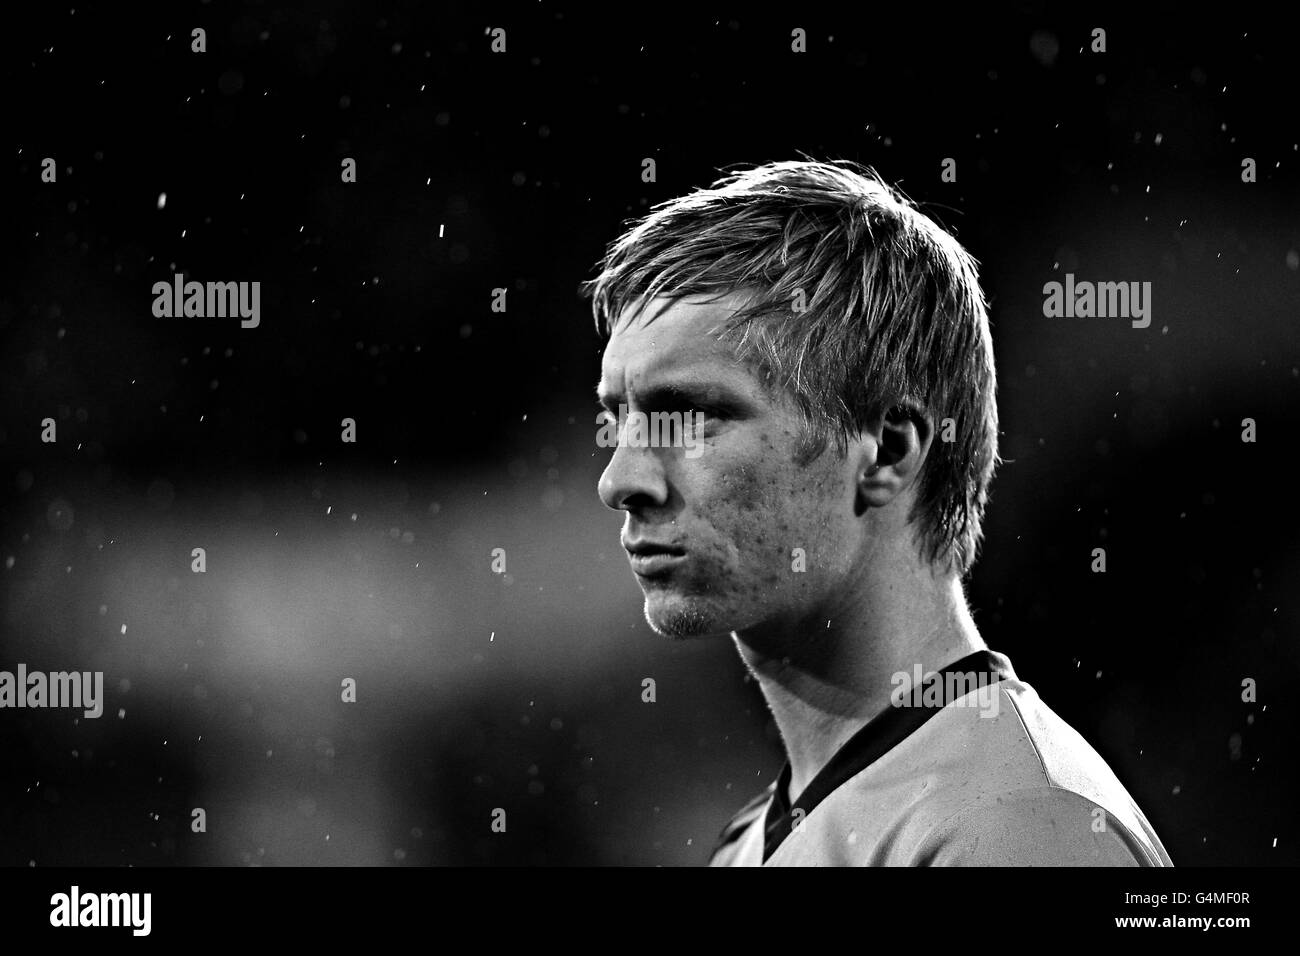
(1033, 792)
(1039, 826)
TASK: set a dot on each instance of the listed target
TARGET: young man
(828, 348)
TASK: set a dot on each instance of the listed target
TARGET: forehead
(655, 338)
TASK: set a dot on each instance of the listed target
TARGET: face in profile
(736, 534)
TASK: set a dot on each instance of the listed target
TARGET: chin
(682, 618)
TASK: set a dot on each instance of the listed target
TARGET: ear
(894, 446)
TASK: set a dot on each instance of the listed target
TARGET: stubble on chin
(681, 621)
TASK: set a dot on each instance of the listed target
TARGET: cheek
(764, 506)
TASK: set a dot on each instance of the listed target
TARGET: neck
(829, 672)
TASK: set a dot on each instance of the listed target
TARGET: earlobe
(877, 486)
(900, 444)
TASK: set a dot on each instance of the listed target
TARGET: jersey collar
(881, 734)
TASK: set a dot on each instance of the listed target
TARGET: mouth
(651, 560)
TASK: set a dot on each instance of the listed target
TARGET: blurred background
(476, 171)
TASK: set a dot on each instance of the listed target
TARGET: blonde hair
(893, 315)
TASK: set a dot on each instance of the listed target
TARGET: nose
(634, 478)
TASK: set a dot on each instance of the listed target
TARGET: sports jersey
(976, 774)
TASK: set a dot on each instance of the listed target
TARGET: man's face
(712, 531)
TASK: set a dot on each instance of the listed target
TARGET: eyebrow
(689, 393)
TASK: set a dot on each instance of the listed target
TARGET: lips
(652, 559)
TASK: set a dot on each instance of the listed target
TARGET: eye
(699, 420)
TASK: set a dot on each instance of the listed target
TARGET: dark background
(476, 429)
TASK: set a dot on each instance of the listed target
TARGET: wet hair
(857, 305)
